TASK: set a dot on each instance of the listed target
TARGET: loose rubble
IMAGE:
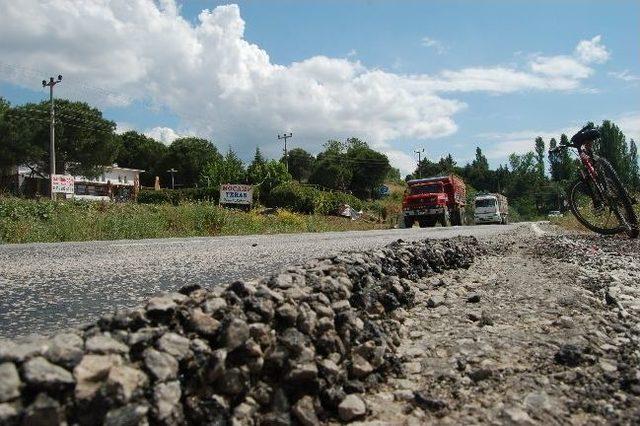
(299, 347)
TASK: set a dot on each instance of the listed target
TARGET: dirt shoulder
(540, 329)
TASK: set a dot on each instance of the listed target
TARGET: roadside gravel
(540, 330)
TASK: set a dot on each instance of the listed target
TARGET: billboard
(236, 194)
(62, 184)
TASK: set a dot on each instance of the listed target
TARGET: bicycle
(597, 198)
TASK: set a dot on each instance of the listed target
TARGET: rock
(485, 319)
(360, 367)
(129, 415)
(569, 355)
(233, 382)
(474, 316)
(282, 281)
(175, 345)
(305, 412)
(43, 411)
(143, 337)
(607, 365)
(214, 304)
(236, 333)
(65, 349)
(243, 413)
(341, 305)
(404, 395)
(480, 374)
(40, 372)
(91, 372)
(9, 382)
(435, 301)
(161, 365)
(161, 305)
(517, 416)
(473, 298)
(204, 324)
(303, 374)
(427, 402)
(8, 414)
(351, 408)
(104, 344)
(537, 402)
(124, 381)
(167, 401)
(20, 352)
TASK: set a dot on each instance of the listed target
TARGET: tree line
(535, 181)
(86, 142)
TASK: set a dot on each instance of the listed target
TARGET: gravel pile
(299, 347)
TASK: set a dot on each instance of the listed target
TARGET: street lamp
(172, 171)
(286, 156)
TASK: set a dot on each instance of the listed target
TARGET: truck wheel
(408, 222)
(445, 220)
(423, 223)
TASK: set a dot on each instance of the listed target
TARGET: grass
(27, 221)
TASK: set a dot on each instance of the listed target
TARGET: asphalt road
(48, 287)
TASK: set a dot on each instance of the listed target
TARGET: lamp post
(286, 156)
(419, 152)
(172, 171)
(52, 132)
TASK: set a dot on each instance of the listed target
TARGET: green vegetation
(25, 221)
(533, 193)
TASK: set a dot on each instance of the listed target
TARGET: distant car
(555, 213)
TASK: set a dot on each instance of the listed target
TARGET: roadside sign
(62, 184)
(383, 190)
(236, 194)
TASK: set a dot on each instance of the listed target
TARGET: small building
(115, 183)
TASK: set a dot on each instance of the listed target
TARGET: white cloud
(630, 125)
(624, 75)
(434, 44)
(593, 50)
(166, 135)
(223, 87)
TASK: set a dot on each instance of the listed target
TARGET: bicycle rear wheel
(606, 211)
(618, 198)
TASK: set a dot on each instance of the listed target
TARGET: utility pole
(286, 155)
(419, 152)
(172, 171)
(52, 133)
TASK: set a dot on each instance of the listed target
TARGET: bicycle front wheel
(592, 213)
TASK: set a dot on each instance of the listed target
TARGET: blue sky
(374, 69)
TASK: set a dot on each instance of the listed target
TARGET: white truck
(491, 208)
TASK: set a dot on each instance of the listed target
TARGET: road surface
(48, 287)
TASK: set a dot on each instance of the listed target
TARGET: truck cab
(490, 208)
(434, 200)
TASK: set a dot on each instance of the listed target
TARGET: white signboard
(236, 194)
(62, 184)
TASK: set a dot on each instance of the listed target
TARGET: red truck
(436, 199)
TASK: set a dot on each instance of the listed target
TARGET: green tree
(190, 156)
(540, 154)
(612, 146)
(331, 169)
(300, 164)
(227, 169)
(393, 175)
(633, 167)
(85, 141)
(368, 167)
(256, 170)
(554, 161)
(141, 152)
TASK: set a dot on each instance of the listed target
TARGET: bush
(177, 196)
(305, 199)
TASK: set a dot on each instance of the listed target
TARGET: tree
(368, 167)
(633, 167)
(331, 169)
(190, 156)
(568, 168)
(393, 175)
(540, 154)
(613, 147)
(85, 141)
(300, 164)
(227, 169)
(255, 171)
(141, 152)
(554, 161)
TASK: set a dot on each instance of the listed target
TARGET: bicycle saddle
(586, 134)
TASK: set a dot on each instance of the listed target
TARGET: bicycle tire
(575, 187)
(629, 214)
(581, 185)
